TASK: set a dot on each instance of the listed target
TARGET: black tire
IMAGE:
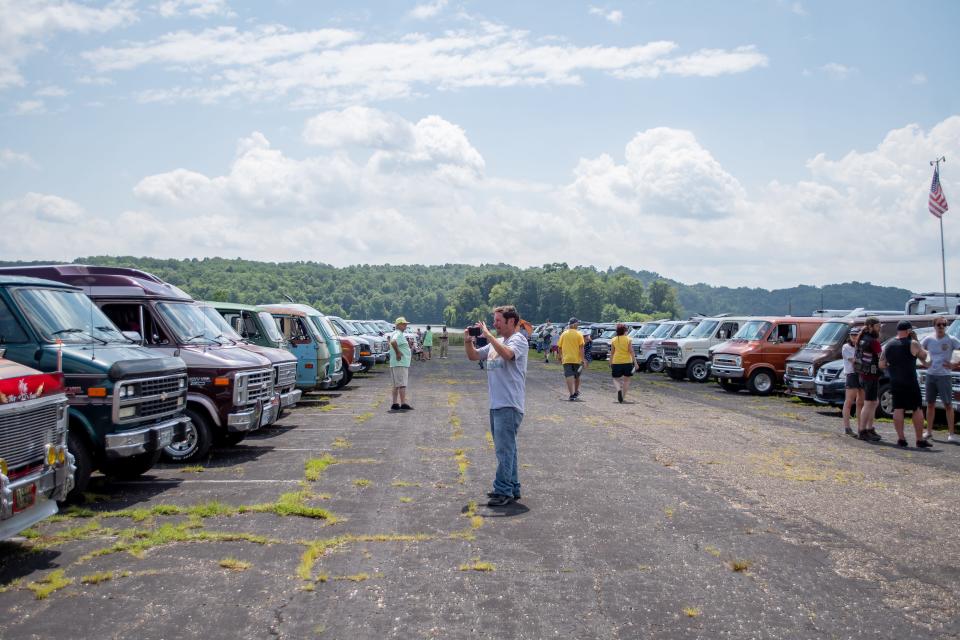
(676, 374)
(655, 364)
(198, 442)
(885, 401)
(730, 386)
(761, 382)
(132, 467)
(698, 370)
(347, 376)
(83, 458)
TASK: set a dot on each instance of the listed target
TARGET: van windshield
(829, 334)
(69, 316)
(222, 325)
(704, 329)
(646, 330)
(609, 333)
(190, 324)
(753, 330)
(269, 324)
(663, 330)
(686, 330)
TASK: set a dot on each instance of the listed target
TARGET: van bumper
(800, 386)
(331, 381)
(290, 398)
(720, 371)
(136, 441)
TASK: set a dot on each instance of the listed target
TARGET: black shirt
(901, 363)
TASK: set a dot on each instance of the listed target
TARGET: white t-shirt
(848, 352)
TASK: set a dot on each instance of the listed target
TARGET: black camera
(476, 332)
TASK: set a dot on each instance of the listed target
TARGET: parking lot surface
(687, 512)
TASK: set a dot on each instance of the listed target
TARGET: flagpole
(943, 255)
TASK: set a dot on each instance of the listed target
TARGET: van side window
(10, 330)
(250, 329)
(787, 333)
(293, 329)
(727, 330)
(127, 318)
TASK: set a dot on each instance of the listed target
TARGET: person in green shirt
(399, 365)
(428, 342)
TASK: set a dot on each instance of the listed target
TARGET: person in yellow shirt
(570, 346)
(623, 361)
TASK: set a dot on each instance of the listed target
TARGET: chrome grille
(149, 408)
(725, 361)
(285, 374)
(828, 375)
(671, 351)
(153, 397)
(156, 386)
(27, 427)
(251, 386)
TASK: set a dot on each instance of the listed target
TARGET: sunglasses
(940, 324)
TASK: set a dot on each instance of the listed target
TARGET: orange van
(756, 356)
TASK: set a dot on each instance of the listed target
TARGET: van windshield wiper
(83, 331)
(199, 335)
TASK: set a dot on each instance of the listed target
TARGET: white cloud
(798, 8)
(10, 158)
(614, 16)
(918, 78)
(100, 81)
(26, 24)
(51, 91)
(333, 67)
(428, 9)
(196, 8)
(358, 126)
(30, 107)
(837, 70)
(42, 208)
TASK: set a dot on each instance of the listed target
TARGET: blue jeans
(504, 425)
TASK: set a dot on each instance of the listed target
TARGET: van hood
(738, 347)
(217, 357)
(275, 356)
(116, 360)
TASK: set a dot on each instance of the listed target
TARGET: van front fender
(208, 406)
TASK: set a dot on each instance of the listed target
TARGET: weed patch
(406, 500)
(341, 443)
(361, 482)
(234, 565)
(691, 612)
(103, 576)
(740, 566)
(477, 565)
(314, 467)
(712, 550)
(192, 469)
(404, 483)
(363, 417)
(54, 581)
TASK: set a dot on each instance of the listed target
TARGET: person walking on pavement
(444, 343)
(506, 357)
(853, 397)
(570, 349)
(399, 365)
(622, 361)
(900, 361)
(546, 332)
(428, 343)
(940, 346)
(867, 365)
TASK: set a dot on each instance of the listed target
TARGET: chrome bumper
(800, 386)
(332, 380)
(722, 371)
(56, 481)
(290, 398)
(246, 420)
(137, 441)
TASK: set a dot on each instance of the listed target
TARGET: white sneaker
(953, 438)
(926, 434)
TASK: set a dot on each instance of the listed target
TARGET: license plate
(796, 383)
(820, 389)
(24, 497)
(165, 438)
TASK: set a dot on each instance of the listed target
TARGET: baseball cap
(856, 331)
(573, 321)
(904, 325)
(401, 320)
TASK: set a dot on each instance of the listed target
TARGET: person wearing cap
(399, 365)
(940, 346)
(570, 346)
(853, 389)
(899, 358)
(867, 366)
(506, 356)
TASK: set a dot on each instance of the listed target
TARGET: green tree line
(457, 294)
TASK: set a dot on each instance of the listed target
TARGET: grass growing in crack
(460, 455)
(314, 467)
(192, 469)
(691, 612)
(489, 437)
(404, 483)
(453, 399)
(406, 500)
(103, 576)
(341, 443)
(234, 565)
(471, 512)
(357, 577)
(318, 548)
(740, 566)
(363, 417)
(137, 542)
(457, 428)
(329, 407)
(712, 550)
(668, 511)
(361, 482)
(54, 581)
(477, 565)
(292, 504)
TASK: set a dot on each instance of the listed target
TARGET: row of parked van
(107, 369)
(760, 354)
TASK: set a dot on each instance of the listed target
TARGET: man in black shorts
(900, 360)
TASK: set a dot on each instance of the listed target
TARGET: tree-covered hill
(458, 293)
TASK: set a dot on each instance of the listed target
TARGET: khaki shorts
(399, 376)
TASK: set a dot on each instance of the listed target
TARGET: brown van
(826, 343)
(756, 356)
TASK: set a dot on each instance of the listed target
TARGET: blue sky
(743, 143)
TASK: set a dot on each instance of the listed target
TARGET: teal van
(313, 341)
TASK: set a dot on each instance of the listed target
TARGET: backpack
(865, 361)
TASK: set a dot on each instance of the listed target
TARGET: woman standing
(854, 390)
(622, 361)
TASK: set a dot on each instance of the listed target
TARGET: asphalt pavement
(686, 512)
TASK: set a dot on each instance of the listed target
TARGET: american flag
(938, 203)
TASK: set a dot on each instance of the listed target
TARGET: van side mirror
(133, 336)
